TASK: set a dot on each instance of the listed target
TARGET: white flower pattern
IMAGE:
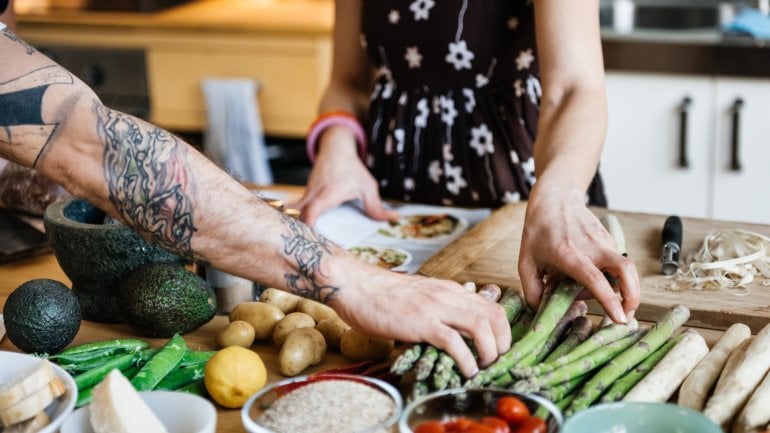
(394, 16)
(524, 59)
(434, 171)
(454, 175)
(448, 111)
(482, 140)
(413, 57)
(459, 55)
(470, 100)
(421, 9)
(421, 120)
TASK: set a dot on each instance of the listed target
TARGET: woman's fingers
(531, 281)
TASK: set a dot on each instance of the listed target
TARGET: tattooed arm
(177, 198)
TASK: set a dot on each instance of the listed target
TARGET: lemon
(233, 375)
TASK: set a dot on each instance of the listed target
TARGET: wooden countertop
(280, 16)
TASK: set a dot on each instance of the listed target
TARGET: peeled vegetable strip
(728, 258)
(755, 414)
(698, 384)
(663, 380)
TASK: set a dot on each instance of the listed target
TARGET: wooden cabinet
(669, 146)
(285, 46)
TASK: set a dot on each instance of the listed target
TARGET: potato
(237, 333)
(316, 310)
(332, 330)
(263, 317)
(361, 347)
(290, 322)
(302, 348)
(284, 300)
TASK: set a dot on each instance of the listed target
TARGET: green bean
(180, 377)
(89, 351)
(85, 396)
(197, 387)
(195, 357)
(160, 365)
(95, 375)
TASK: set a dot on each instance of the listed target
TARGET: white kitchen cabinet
(669, 146)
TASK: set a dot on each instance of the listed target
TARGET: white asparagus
(735, 359)
(756, 413)
(664, 379)
(727, 400)
(696, 387)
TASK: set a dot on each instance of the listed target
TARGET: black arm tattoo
(307, 248)
(148, 178)
(22, 129)
(29, 48)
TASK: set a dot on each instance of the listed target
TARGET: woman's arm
(338, 173)
(177, 198)
(561, 234)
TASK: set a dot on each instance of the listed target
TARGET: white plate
(179, 412)
(14, 364)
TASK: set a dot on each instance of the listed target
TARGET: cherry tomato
(459, 425)
(512, 410)
(479, 428)
(533, 425)
(497, 424)
(430, 427)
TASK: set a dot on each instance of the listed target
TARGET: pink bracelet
(335, 118)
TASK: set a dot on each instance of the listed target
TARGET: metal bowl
(472, 403)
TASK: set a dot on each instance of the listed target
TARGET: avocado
(42, 316)
(159, 300)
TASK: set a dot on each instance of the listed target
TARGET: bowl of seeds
(323, 403)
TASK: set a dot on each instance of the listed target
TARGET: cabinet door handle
(735, 163)
(684, 109)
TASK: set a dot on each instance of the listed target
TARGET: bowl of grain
(492, 408)
(322, 403)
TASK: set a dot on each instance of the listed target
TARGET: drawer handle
(735, 162)
(684, 109)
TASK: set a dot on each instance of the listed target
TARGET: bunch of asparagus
(556, 353)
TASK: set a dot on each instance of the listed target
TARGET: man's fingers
(452, 343)
(584, 271)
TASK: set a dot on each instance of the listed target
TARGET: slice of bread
(33, 379)
(33, 404)
(118, 408)
(30, 426)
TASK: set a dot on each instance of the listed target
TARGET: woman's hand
(412, 308)
(562, 236)
(338, 176)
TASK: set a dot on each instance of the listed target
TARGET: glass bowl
(639, 417)
(471, 403)
(322, 408)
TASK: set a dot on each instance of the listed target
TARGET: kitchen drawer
(292, 73)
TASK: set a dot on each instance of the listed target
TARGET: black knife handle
(672, 231)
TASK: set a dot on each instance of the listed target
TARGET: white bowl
(179, 412)
(14, 364)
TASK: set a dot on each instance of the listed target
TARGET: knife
(671, 238)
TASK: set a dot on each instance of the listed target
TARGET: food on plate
(42, 316)
(262, 317)
(422, 226)
(118, 408)
(511, 415)
(160, 300)
(236, 333)
(233, 374)
(287, 302)
(384, 257)
(315, 309)
(332, 330)
(289, 323)
(361, 347)
(302, 348)
(37, 423)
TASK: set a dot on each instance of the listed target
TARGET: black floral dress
(453, 115)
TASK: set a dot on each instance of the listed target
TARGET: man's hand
(417, 309)
(562, 236)
(338, 176)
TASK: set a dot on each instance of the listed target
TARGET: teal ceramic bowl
(639, 418)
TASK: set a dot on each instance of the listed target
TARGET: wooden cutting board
(489, 253)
